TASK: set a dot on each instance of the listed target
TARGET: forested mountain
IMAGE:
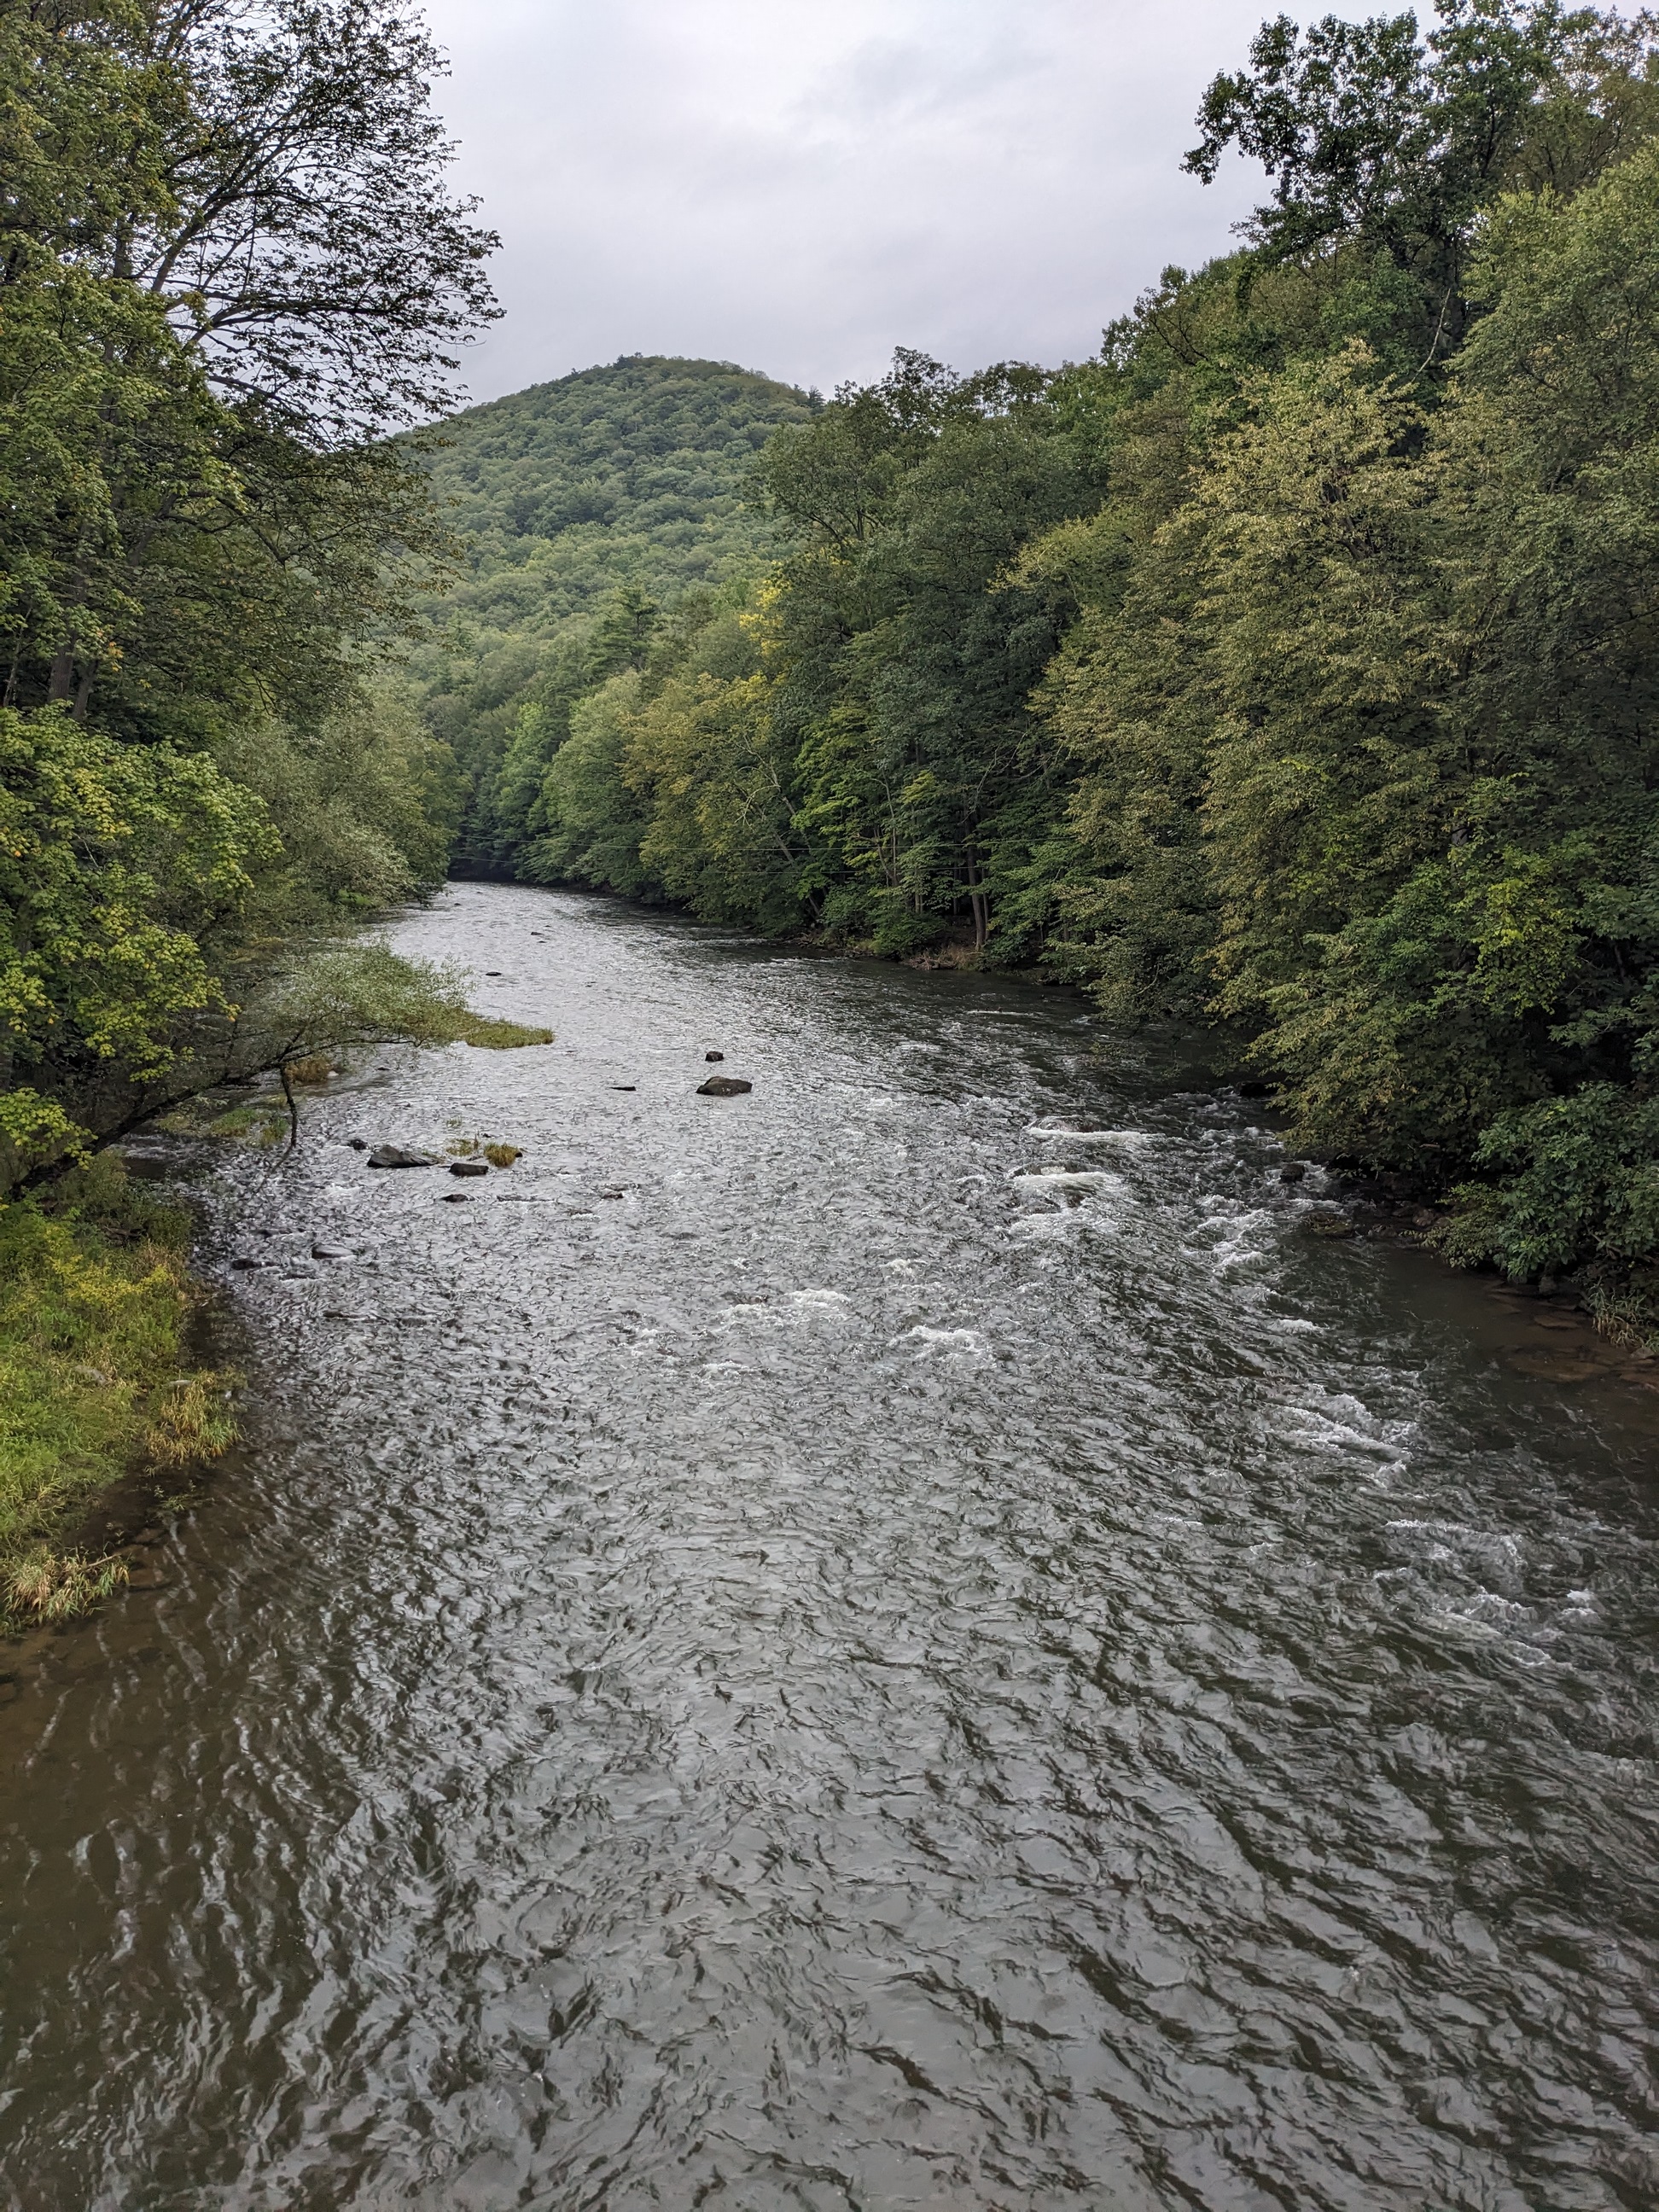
(1290, 664)
(587, 505)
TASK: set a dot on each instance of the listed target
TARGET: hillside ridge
(629, 480)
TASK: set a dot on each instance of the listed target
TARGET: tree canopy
(228, 265)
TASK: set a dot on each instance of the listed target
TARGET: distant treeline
(1294, 664)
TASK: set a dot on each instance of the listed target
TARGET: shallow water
(843, 1648)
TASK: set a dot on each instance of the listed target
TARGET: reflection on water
(911, 1639)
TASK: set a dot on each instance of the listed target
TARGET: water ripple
(905, 1640)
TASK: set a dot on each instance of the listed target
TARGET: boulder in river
(468, 1167)
(724, 1086)
(456, 1197)
(1292, 1171)
(397, 1155)
(329, 1252)
(714, 1055)
(358, 1143)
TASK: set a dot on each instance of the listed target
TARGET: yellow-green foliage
(95, 1377)
(501, 1155)
(116, 863)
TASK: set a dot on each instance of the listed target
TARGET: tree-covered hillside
(1291, 664)
(616, 488)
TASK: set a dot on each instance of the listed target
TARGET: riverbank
(98, 1384)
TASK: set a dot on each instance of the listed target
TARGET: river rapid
(916, 1638)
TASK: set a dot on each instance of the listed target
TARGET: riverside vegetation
(229, 266)
(1287, 666)
(1290, 665)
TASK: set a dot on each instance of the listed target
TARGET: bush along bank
(101, 1396)
(98, 1381)
(230, 266)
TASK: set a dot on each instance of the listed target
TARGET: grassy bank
(96, 1378)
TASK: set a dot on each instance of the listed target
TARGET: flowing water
(914, 1638)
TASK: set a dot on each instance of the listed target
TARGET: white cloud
(801, 187)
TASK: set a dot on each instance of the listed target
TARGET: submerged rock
(358, 1143)
(468, 1167)
(1292, 1171)
(395, 1155)
(1548, 1366)
(456, 1197)
(329, 1252)
(724, 1086)
(714, 1055)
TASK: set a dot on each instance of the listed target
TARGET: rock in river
(723, 1087)
(714, 1055)
(394, 1156)
(468, 1167)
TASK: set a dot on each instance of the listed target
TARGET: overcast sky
(800, 185)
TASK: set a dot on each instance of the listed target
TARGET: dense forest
(229, 267)
(1289, 666)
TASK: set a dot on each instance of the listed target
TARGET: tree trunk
(293, 1107)
(977, 899)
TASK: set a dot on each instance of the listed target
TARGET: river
(843, 1648)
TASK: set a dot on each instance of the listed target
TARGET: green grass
(262, 1124)
(96, 1381)
(497, 1037)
